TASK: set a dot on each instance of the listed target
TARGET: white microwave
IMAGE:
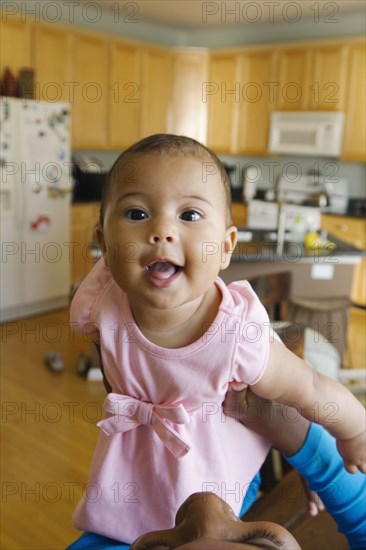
(306, 133)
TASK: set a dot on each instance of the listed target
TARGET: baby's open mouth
(163, 270)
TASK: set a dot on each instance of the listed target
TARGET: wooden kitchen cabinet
(255, 102)
(223, 95)
(346, 228)
(155, 90)
(328, 78)
(15, 42)
(312, 77)
(292, 76)
(352, 231)
(354, 148)
(189, 104)
(90, 93)
(239, 101)
(84, 217)
(239, 214)
(124, 98)
(121, 91)
(52, 60)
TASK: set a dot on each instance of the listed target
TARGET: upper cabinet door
(90, 91)
(189, 110)
(124, 99)
(355, 138)
(222, 91)
(15, 41)
(155, 91)
(292, 76)
(256, 102)
(52, 62)
(328, 79)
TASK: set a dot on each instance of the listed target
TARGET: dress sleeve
(84, 303)
(256, 334)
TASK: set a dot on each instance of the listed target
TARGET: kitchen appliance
(35, 189)
(318, 134)
(234, 174)
(264, 215)
(295, 194)
(330, 194)
(250, 178)
(89, 175)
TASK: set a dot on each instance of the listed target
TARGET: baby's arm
(289, 380)
(107, 385)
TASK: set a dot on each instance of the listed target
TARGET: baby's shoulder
(95, 285)
(240, 299)
(238, 292)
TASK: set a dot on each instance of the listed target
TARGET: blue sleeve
(89, 541)
(343, 494)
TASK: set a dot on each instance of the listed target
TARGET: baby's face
(164, 235)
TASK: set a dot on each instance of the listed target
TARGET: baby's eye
(136, 214)
(190, 216)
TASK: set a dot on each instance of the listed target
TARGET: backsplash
(270, 168)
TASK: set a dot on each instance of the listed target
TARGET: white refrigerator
(35, 193)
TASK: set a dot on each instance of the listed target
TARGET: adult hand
(315, 503)
(282, 425)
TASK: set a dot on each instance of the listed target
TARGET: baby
(172, 337)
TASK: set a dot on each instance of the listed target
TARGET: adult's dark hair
(164, 143)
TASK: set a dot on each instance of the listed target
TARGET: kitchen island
(321, 271)
(262, 245)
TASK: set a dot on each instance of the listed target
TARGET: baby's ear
(99, 235)
(229, 245)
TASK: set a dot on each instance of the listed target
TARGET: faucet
(281, 227)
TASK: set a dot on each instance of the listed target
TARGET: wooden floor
(48, 432)
(286, 504)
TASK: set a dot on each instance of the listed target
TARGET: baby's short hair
(168, 143)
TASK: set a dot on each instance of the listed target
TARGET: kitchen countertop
(261, 246)
(347, 214)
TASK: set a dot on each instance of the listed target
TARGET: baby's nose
(162, 237)
(162, 231)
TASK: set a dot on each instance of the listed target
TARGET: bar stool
(327, 307)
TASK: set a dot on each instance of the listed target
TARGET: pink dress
(163, 435)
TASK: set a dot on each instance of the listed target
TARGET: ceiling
(198, 14)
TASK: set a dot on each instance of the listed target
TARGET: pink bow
(129, 413)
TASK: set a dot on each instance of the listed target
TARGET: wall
(304, 26)
(269, 169)
(244, 23)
